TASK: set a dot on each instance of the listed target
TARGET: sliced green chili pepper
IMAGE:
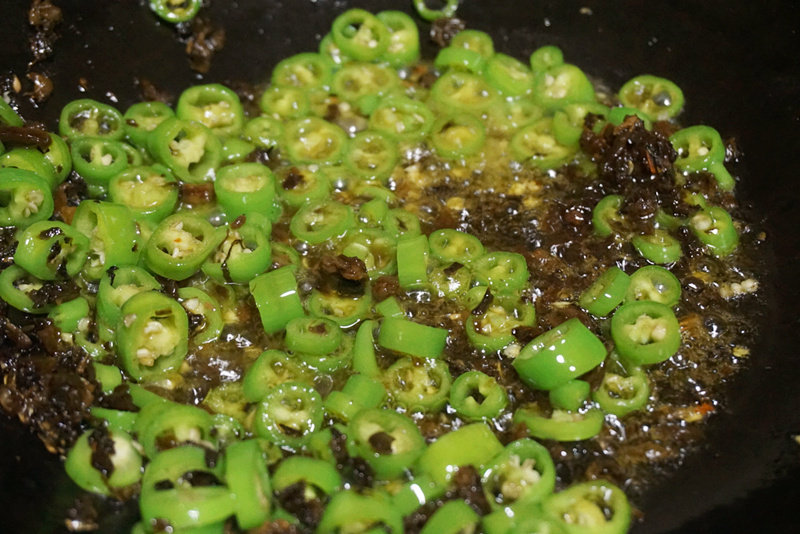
(605, 215)
(645, 332)
(8, 115)
(536, 143)
(180, 244)
(344, 310)
(559, 355)
(364, 360)
(360, 34)
(322, 221)
(458, 136)
(334, 361)
(522, 472)
(617, 116)
(30, 159)
(126, 462)
(244, 252)
(285, 102)
(313, 335)
(655, 283)
(546, 58)
(67, 315)
(401, 223)
(474, 444)
(509, 115)
(298, 186)
(620, 395)
(504, 272)
(205, 311)
(150, 192)
(318, 476)
(657, 97)
(714, 228)
(509, 75)
(493, 329)
(461, 91)
(560, 85)
(452, 57)
(371, 155)
(188, 148)
(418, 385)
(368, 513)
(414, 339)
(402, 118)
(97, 161)
(235, 150)
(658, 247)
(412, 262)
(447, 11)
(142, 118)
(700, 148)
(212, 105)
(358, 80)
(568, 122)
(561, 425)
(388, 441)
(288, 414)
(273, 367)
(452, 517)
(589, 507)
(16, 286)
(26, 198)
(570, 396)
(314, 140)
(605, 293)
(477, 396)
(86, 117)
(403, 46)
(246, 475)
(113, 236)
(275, 294)
(152, 337)
(376, 248)
(264, 132)
(117, 285)
(51, 249)
(175, 11)
(246, 187)
(304, 71)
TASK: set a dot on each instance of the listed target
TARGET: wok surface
(735, 61)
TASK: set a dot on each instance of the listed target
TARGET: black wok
(737, 63)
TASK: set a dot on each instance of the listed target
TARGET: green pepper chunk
(388, 441)
(622, 393)
(559, 355)
(590, 507)
(418, 385)
(655, 283)
(475, 40)
(8, 116)
(364, 360)
(360, 34)
(180, 244)
(568, 123)
(302, 71)
(142, 118)
(188, 148)
(452, 57)
(562, 425)
(320, 479)
(645, 332)
(26, 198)
(412, 262)
(700, 148)
(288, 414)
(658, 98)
(214, 106)
(113, 236)
(453, 517)
(508, 116)
(605, 293)
(275, 294)
(149, 192)
(16, 288)
(86, 117)
(68, 315)
(246, 187)
(272, 367)
(97, 161)
(509, 75)
(523, 472)
(51, 250)
(546, 58)
(714, 228)
(344, 310)
(474, 444)
(364, 83)
(570, 396)
(285, 102)
(152, 337)
(312, 335)
(414, 339)
(263, 132)
(351, 511)
(476, 396)
(376, 248)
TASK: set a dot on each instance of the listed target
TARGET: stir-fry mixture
(477, 295)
